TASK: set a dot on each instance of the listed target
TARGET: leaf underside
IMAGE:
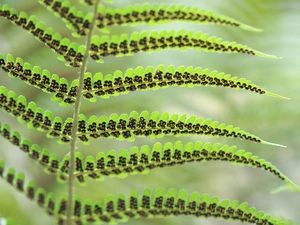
(135, 15)
(122, 45)
(125, 126)
(149, 204)
(137, 161)
(105, 86)
(150, 41)
(158, 204)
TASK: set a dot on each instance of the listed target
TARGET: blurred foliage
(272, 119)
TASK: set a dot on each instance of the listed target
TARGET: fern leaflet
(140, 78)
(160, 203)
(148, 204)
(69, 52)
(137, 14)
(137, 161)
(120, 127)
(123, 45)
(146, 41)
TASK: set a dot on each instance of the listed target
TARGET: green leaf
(129, 126)
(39, 195)
(162, 14)
(51, 162)
(54, 41)
(69, 14)
(286, 188)
(141, 161)
(135, 15)
(166, 204)
(161, 203)
(152, 41)
(120, 127)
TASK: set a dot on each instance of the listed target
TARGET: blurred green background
(272, 119)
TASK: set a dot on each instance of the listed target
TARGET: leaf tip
(274, 144)
(261, 54)
(287, 187)
(250, 28)
(277, 96)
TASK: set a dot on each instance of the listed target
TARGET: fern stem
(76, 116)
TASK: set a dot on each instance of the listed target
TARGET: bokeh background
(273, 119)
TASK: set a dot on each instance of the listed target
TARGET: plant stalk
(76, 116)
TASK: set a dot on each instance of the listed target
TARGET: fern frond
(160, 204)
(152, 78)
(140, 78)
(141, 161)
(45, 200)
(286, 188)
(146, 41)
(121, 127)
(39, 195)
(73, 18)
(34, 117)
(137, 161)
(26, 113)
(137, 14)
(162, 14)
(120, 46)
(69, 52)
(50, 162)
(156, 125)
(41, 79)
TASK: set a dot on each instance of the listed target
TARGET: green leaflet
(70, 15)
(50, 162)
(286, 188)
(162, 14)
(120, 127)
(137, 161)
(41, 79)
(46, 201)
(156, 125)
(160, 203)
(149, 204)
(34, 117)
(69, 52)
(74, 19)
(122, 45)
(140, 161)
(156, 41)
(136, 14)
(149, 78)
